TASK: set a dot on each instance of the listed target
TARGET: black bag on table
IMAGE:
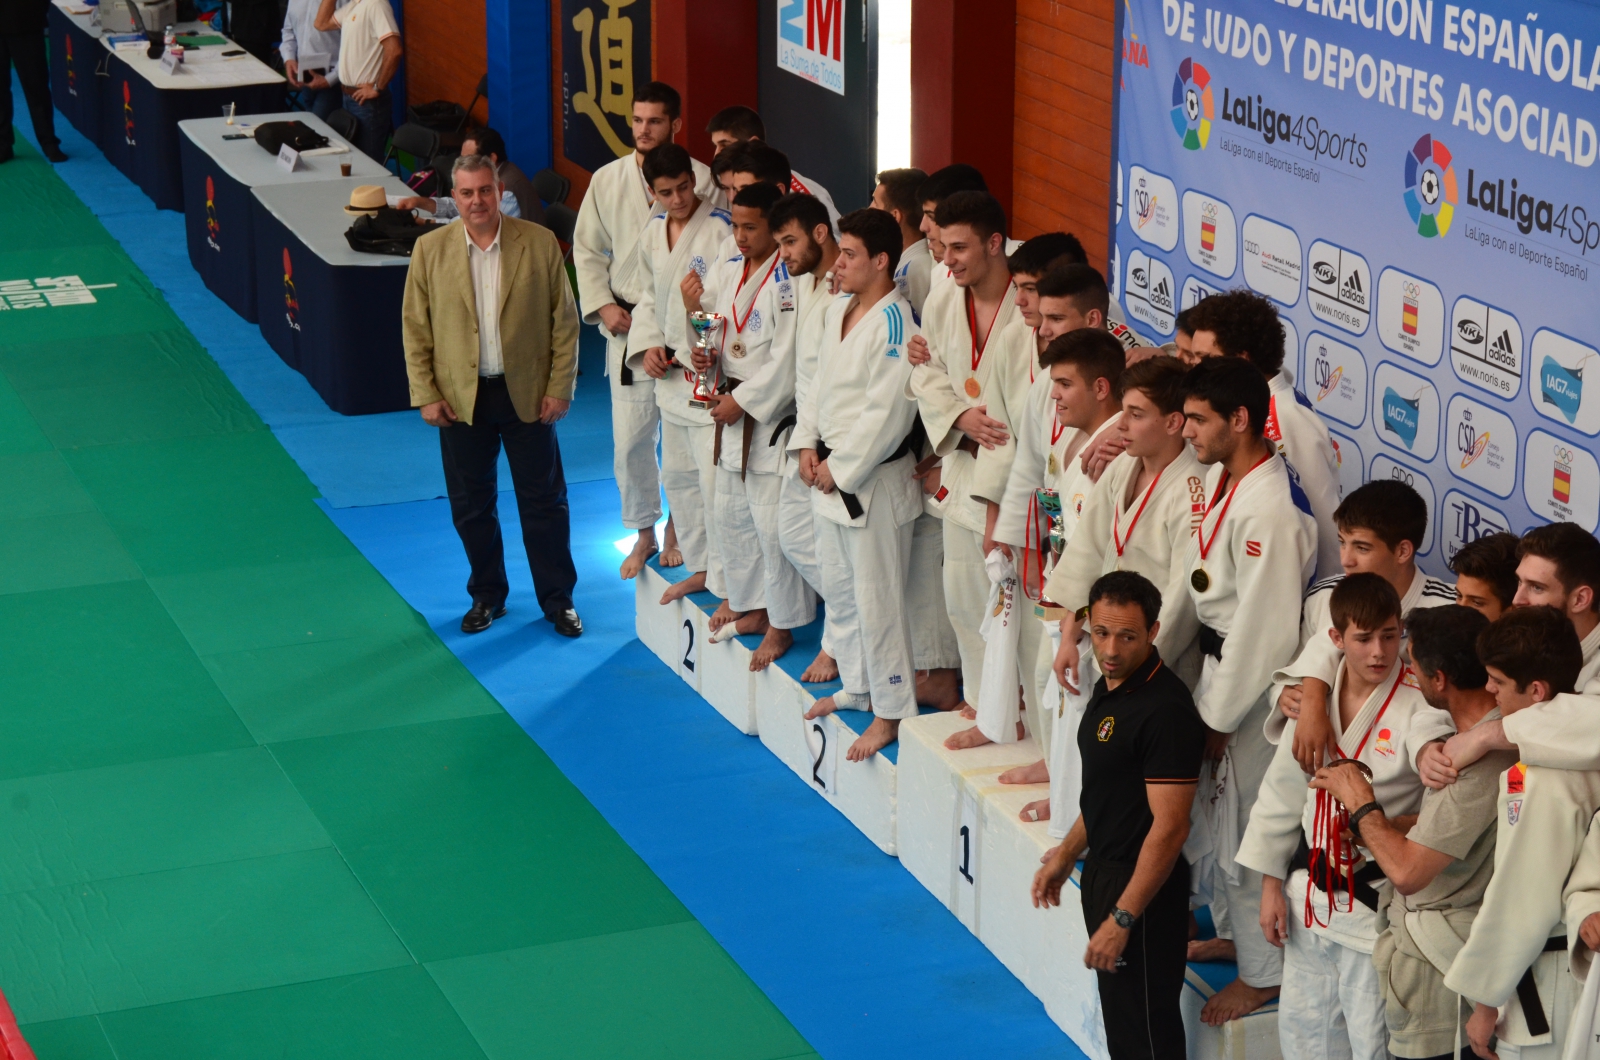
(391, 231)
(272, 135)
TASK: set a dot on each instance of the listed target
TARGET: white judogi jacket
(1303, 439)
(767, 305)
(948, 386)
(913, 275)
(1258, 565)
(1044, 450)
(809, 332)
(1320, 659)
(606, 238)
(865, 415)
(661, 318)
(1581, 898)
(1565, 732)
(1544, 819)
(1285, 810)
(1153, 530)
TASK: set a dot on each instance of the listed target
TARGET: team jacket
(1153, 530)
(1320, 659)
(1285, 809)
(605, 240)
(1303, 439)
(661, 318)
(1258, 563)
(947, 386)
(1544, 818)
(864, 415)
(767, 305)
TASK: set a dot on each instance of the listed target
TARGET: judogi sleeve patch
(1252, 548)
(1515, 776)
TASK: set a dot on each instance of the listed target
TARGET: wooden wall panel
(446, 53)
(1062, 123)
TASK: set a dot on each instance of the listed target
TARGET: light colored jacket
(538, 320)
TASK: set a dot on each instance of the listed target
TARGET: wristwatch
(1357, 817)
(1123, 918)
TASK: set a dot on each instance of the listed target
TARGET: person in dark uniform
(1141, 740)
(22, 45)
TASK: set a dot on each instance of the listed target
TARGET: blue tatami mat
(855, 953)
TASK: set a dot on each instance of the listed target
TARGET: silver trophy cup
(708, 330)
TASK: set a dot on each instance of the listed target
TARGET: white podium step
(680, 634)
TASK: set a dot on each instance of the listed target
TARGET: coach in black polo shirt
(1141, 740)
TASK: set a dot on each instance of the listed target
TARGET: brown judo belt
(749, 433)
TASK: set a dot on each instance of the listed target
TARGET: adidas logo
(1503, 344)
(1161, 295)
(1352, 287)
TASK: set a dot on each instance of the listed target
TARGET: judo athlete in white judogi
(808, 249)
(853, 445)
(1325, 914)
(1381, 526)
(756, 298)
(1244, 324)
(961, 327)
(1512, 968)
(1440, 866)
(896, 194)
(684, 240)
(1249, 563)
(605, 257)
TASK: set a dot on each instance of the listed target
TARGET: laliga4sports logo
(1430, 188)
(1192, 106)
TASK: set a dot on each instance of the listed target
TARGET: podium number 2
(822, 752)
(688, 645)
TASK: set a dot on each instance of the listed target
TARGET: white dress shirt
(486, 294)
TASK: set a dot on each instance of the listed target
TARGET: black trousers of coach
(1140, 1000)
(470, 453)
(26, 51)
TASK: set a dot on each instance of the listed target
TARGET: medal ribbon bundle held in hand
(1332, 860)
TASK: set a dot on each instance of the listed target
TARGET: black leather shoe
(54, 153)
(567, 622)
(481, 617)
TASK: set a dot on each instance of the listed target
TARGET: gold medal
(1053, 466)
(736, 348)
(1200, 580)
(973, 390)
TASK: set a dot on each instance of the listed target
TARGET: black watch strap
(1357, 817)
(1123, 918)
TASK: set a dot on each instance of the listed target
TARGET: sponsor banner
(1385, 467)
(1347, 455)
(811, 41)
(1561, 480)
(1416, 188)
(605, 56)
(1463, 519)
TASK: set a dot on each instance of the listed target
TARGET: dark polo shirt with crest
(1145, 731)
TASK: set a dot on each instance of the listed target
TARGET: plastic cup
(227, 111)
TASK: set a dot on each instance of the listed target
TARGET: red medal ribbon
(1116, 517)
(972, 327)
(1205, 546)
(738, 325)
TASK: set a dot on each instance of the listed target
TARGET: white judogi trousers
(757, 572)
(635, 421)
(864, 570)
(966, 595)
(933, 639)
(1260, 962)
(1331, 1006)
(690, 480)
(797, 537)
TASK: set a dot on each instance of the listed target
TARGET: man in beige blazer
(491, 334)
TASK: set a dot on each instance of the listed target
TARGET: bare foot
(938, 689)
(825, 705)
(752, 622)
(1037, 773)
(967, 710)
(1235, 1000)
(822, 670)
(774, 644)
(960, 741)
(723, 615)
(643, 549)
(1212, 950)
(678, 590)
(880, 734)
(671, 555)
(1035, 811)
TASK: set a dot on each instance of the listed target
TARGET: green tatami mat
(250, 805)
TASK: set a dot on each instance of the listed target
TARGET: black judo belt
(1211, 642)
(911, 443)
(1327, 878)
(1528, 992)
(625, 375)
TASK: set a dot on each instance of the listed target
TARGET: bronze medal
(736, 348)
(1053, 466)
(1200, 580)
(973, 390)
